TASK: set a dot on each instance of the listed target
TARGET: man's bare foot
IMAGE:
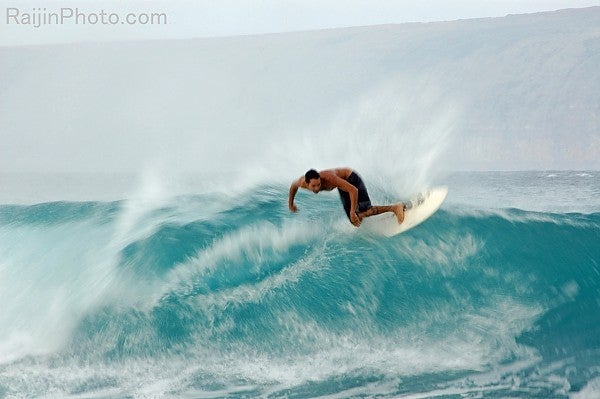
(399, 211)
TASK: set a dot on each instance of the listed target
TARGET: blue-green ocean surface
(206, 295)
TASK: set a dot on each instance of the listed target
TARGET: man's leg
(364, 202)
(398, 209)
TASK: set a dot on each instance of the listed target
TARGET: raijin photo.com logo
(40, 16)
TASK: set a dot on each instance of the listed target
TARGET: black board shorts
(364, 202)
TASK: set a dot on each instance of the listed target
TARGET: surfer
(353, 193)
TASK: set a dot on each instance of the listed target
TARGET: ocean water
(202, 293)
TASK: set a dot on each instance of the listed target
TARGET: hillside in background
(519, 92)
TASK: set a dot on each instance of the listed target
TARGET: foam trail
(260, 243)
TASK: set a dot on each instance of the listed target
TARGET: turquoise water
(215, 295)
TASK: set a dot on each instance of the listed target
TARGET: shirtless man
(352, 191)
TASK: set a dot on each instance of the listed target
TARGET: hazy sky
(37, 22)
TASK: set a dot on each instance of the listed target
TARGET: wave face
(216, 296)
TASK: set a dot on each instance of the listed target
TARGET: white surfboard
(419, 208)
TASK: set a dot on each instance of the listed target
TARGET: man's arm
(293, 190)
(352, 191)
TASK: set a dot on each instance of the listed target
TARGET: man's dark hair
(311, 174)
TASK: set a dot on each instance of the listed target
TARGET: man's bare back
(353, 193)
(329, 179)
